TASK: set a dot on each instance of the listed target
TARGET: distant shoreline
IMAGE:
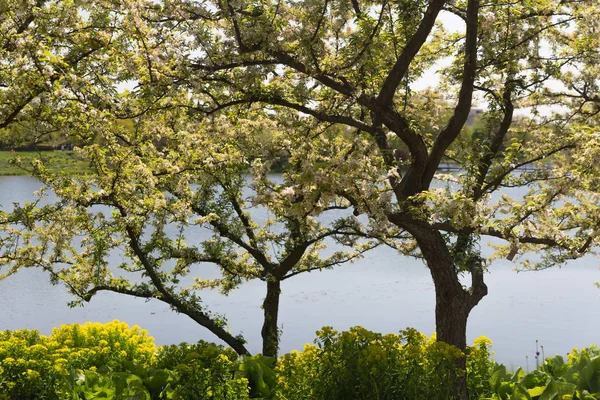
(68, 162)
(58, 160)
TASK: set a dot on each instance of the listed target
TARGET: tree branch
(388, 90)
(461, 112)
(496, 143)
(177, 303)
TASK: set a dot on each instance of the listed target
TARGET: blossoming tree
(347, 71)
(160, 173)
(172, 195)
(355, 64)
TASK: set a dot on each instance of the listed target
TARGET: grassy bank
(59, 161)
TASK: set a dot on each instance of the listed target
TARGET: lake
(384, 292)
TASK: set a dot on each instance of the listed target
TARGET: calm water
(384, 292)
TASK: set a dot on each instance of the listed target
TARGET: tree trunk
(270, 333)
(453, 302)
(452, 307)
(451, 313)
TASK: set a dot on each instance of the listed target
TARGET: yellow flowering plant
(360, 364)
(112, 344)
(480, 367)
(25, 370)
(111, 360)
(203, 368)
(34, 365)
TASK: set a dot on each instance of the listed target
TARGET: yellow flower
(482, 340)
(31, 374)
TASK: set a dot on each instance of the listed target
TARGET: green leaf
(535, 379)
(536, 391)
(556, 390)
(518, 375)
(505, 390)
(520, 393)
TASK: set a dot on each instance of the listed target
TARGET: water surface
(384, 292)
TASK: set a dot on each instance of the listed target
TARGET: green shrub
(113, 360)
(480, 368)
(576, 379)
(360, 364)
(259, 371)
(140, 383)
(205, 371)
(26, 370)
(33, 366)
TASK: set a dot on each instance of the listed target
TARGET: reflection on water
(382, 292)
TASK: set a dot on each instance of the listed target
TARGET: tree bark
(451, 313)
(453, 302)
(221, 333)
(269, 332)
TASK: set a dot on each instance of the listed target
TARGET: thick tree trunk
(270, 333)
(451, 313)
(452, 308)
(453, 301)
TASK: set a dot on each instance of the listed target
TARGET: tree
(350, 67)
(174, 194)
(352, 63)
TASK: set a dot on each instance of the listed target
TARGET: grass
(58, 161)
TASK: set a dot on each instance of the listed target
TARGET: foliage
(202, 353)
(110, 360)
(27, 370)
(355, 364)
(176, 193)
(113, 345)
(144, 384)
(31, 365)
(204, 371)
(333, 84)
(576, 379)
(480, 367)
(259, 371)
(359, 364)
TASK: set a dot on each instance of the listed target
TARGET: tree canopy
(171, 94)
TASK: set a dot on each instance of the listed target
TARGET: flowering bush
(25, 370)
(94, 344)
(33, 366)
(360, 364)
(115, 361)
(480, 367)
(205, 371)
